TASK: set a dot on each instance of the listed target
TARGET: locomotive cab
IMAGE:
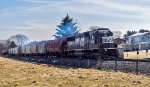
(98, 37)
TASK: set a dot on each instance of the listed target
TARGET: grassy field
(17, 74)
(133, 55)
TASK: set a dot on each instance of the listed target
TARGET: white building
(140, 41)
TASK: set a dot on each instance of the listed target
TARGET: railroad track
(127, 65)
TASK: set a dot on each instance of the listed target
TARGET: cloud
(92, 7)
(114, 9)
(110, 8)
(43, 1)
(31, 25)
(36, 30)
(89, 12)
(35, 1)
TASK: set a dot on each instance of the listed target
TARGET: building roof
(119, 39)
(139, 34)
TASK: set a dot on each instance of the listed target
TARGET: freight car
(28, 50)
(92, 44)
(23, 51)
(33, 49)
(41, 49)
(56, 47)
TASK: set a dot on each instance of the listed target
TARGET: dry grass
(16, 73)
(133, 55)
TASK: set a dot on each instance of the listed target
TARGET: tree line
(68, 27)
(11, 42)
(129, 33)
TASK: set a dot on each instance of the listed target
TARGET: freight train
(96, 43)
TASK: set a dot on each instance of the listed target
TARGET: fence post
(146, 53)
(137, 69)
(78, 62)
(88, 63)
(62, 61)
(115, 65)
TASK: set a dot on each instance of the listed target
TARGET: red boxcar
(54, 47)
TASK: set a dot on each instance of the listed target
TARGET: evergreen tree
(66, 28)
(129, 33)
(143, 30)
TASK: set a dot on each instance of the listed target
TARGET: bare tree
(1, 47)
(5, 45)
(19, 39)
(117, 34)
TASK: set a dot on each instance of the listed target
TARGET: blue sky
(38, 18)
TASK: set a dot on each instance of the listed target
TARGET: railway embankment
(127, 65)
(14, 73)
